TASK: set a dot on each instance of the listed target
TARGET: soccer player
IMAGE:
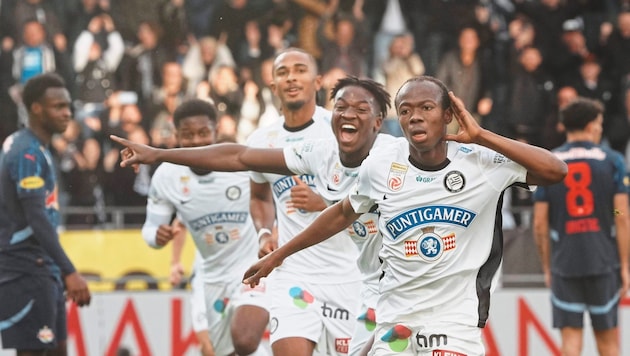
(33, 265)
(360, 106)
(586, 219)
(439, 196)
(214, 207)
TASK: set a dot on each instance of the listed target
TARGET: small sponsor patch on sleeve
(499, 158)
(33, 182)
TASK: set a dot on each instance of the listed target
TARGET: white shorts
(222, 300)
(198, 304)
(430, 339)
(366, 319)
(322, 313)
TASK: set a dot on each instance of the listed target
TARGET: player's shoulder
(166, 171)
(323, 114)
(387, 148)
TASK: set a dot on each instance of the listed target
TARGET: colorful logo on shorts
(397, 338)
(369, 317)
(45, 335)
(301, 298)
(220, 305)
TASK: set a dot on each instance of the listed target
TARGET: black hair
(300, 50)
(36, 87)
(194, 107)
(446, 100)
(382, 97)
(579, 113)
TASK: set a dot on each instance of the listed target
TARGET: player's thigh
(198, 308)
(29, 313)
(294, 312)
(602, 300)
(219, 315)
(568, 301)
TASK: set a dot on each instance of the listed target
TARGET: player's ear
(36, 108)
(448, 115)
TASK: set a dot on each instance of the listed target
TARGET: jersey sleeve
(159, 208)
(500, 170)
(621, 179)
(304, 157)
(28, 171)
(361, 195)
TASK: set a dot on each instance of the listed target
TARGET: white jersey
(327, 262)
(442, 247)
(215, 209)
(333, 182)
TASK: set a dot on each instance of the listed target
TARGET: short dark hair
(36, 87)
(300, 50)
(383, 99)
(579, 113)
(194, 107)
(446, 100)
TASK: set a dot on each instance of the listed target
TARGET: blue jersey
(27, 175)
(581, 210)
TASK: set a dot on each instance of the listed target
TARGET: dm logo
(397, 338)
(220, 305)
(369, 318)
(301, 298)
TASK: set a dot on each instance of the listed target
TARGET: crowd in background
(130, 63)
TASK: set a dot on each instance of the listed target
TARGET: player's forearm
(331, 221)
(622, 224)
(541, 233)
(219, 157)
(543, 168)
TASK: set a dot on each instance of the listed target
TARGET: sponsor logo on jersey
(51, 200)
(432, 214)
(273, 325)
(301, 297)
(431, 341)
(286, 183)
(396, 177)
(335, 313)
(397, 338)
(236, 217)
(220, 305)
(335, 179)
(421, 179)
(45, 335)
(429, 245)
(233, 192)
(465, 149)
(29, 157)
(369, 319)
(32, 182)
(499, 159)
(446, 353)
(342, 345)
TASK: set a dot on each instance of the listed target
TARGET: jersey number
(579, 197)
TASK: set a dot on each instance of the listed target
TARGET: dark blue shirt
(581, 210)
(29, 210)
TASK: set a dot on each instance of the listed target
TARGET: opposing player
(585, 218)
(214, 207)
(357, 117)
(438, 196)
(34, 269)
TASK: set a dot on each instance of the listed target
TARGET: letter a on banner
(525, 318)
(129, 317)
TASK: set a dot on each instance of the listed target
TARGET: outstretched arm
(226, 157)
(543, 168)
(332, 220)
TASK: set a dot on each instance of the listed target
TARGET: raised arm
(225, 157)
(543, 168)
(622, 225)
(332, 220)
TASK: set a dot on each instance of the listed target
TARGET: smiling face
(356, 121)
(421, 113)
(295, 80)
(52, 112)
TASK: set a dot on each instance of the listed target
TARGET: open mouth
(347, 132)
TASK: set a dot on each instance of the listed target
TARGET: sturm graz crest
(233, 192)
(221, 237)
(430, 245)
(454, 181)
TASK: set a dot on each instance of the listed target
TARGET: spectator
(95, 64)
(344, 49)
(402, 64)
(203, 58)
